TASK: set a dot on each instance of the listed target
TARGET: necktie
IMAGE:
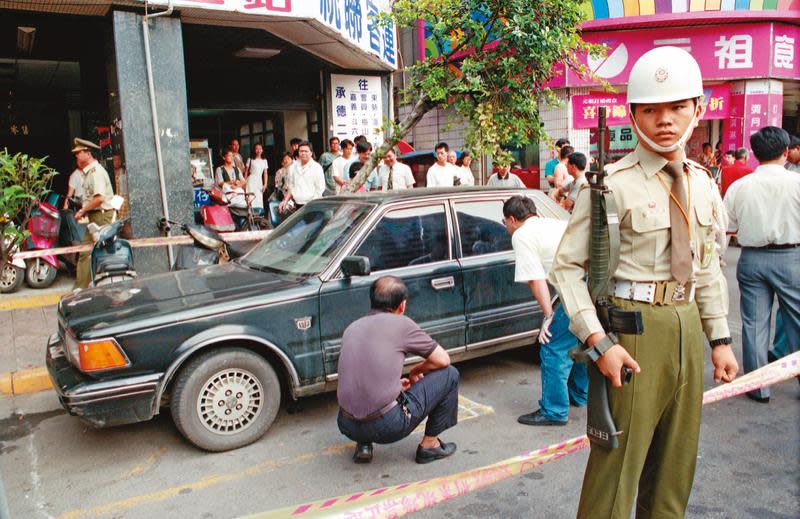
(681, 252)
(389, 181)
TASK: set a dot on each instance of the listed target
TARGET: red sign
(718, 101)
(585, 109)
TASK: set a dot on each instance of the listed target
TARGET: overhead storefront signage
(353, 20)
(357, 107)
(718, 101)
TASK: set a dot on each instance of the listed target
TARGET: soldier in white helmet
(669, 271)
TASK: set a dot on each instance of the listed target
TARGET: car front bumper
(101, 403)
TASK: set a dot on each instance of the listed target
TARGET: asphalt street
(54, 466)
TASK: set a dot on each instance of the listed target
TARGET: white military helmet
(664, 74)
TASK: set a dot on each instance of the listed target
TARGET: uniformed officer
(96, 201)
(669, 270)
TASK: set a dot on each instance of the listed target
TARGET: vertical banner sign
(357, 107)
(733, 125)
(763, 104)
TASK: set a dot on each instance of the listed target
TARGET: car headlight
(96, 354)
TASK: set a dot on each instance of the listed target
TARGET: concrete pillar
(135, 134)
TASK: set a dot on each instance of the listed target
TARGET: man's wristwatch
(724, 341)
(602, 346)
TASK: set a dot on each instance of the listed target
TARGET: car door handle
(442, 283)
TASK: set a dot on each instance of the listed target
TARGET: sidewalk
(28, 318)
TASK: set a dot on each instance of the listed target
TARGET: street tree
(495, 58)
(23, 181)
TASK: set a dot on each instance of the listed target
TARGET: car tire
(225, 399)
(11, 279)
(39, 273)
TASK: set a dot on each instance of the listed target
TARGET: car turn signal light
(101, 354)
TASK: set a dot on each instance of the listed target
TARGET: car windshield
(305, 243)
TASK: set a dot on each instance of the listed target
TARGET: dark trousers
(434, 397)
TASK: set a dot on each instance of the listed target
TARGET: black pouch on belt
(625, 321)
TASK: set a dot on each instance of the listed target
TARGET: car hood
(171, 297)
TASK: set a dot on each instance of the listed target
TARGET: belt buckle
(680, 293)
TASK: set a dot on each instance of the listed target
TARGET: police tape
(158, 241)
(399, 500)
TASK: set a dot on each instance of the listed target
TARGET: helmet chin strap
(679, 144)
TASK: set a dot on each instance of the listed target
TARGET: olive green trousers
(659, 416)
(83, 274)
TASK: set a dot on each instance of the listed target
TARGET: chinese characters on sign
(783, 52)
(360, 25)
(585, 114)
(357, 107)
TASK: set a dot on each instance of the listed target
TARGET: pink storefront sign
(717, 101)
(723, 51)
(785, 56)
(585, 109)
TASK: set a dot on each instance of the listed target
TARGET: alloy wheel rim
(40, 270)
(230, 401)
(9, 276)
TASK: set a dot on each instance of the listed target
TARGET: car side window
(481, 229)
(406, 237)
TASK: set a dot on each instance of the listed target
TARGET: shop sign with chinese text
(357, 107)
(351, 19)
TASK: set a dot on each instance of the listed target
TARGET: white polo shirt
(441, 176)
(535, 245)
(306, 182)
(402, 178)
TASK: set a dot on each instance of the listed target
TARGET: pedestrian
(305, 181)
(393, 174)
(442, 173)
(707, 158)
(229, 173)
(770, 260)
(96, 198)
(237, 158)
(376, 403)
(281, 188)
(793, 160)
(339, 164)
(560, 173)
(363, 153)
(677, 294)
(535, 241)
(326, 161)
(74, 188)
(731, 174)
(576, 167)
(465, 176)
(550, 165)
(504, 178)
(256, 173)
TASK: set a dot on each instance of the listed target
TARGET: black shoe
(428, 455)
(363, 453)
(759, 399)
(536, 418)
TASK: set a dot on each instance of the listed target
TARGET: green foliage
(495, 88)
(23, 181)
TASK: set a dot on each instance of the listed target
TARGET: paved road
(53, 466)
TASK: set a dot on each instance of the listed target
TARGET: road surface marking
(18, 303)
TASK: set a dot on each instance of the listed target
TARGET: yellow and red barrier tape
(400, 500)
(157, 241)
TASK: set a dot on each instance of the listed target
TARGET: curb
(36, 301)
(25, 381)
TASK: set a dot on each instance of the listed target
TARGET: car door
(413, 242)
(496, 307)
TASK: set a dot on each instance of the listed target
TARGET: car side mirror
(355, 266)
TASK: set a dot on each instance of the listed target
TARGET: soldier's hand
(612, 361)
(725, 365)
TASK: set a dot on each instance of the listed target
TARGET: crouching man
(377, 405)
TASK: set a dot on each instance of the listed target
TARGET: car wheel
(225, 399)
(11, 279)
(40, 274)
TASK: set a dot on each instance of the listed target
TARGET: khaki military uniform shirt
(97, 182)
(644, 227)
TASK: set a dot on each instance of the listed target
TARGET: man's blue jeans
(763, 274)
(562, 378)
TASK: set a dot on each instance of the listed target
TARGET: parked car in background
(222, 345)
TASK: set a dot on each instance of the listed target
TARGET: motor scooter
(216, 215)
(43, 228)
(112, 256)
(13, 274)
(207, 248)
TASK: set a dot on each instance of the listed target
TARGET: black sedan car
(221, 345)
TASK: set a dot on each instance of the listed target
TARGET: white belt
(653, 292)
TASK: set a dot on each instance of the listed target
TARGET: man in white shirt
(576, 167)
(339, 163)
(504, 178)
(764, 209)
(306, 180)
(442, 173)
(535, 241)
(394, 175)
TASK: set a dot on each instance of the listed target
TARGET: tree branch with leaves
(493, 73)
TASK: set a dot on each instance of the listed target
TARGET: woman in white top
(256, 173)
(75, 187)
